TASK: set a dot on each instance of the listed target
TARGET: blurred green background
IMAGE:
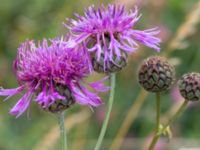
(36, 19)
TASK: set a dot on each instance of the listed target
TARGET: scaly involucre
(41, 68)
(110, 32)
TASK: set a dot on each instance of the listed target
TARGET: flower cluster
(108, 35)
(53, 71)
(55, 74)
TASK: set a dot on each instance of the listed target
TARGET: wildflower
(156, 74)
(109, 36)
(54, 74)
(189, 86)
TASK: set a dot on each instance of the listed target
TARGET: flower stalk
(110, 103)
(159, 133)
(157, 111)
(63, 135)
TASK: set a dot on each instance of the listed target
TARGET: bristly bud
(116, 64)
(156, 74)
(61, 105)
(189, 86)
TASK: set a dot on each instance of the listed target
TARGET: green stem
(157, 111)
(157, 120)
(63, 135)
(154, 141)
(110, 103)
(180, 110)
(158, 134)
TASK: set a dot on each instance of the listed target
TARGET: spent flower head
(109, 34)
(54, 73)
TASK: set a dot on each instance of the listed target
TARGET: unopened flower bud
(189, 86)
(156, 74)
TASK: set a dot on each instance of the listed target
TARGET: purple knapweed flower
(109, 34)
(55, 75)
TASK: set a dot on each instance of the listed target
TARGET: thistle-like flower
(54, 74)
(109, 36)
(189, 86)
(156, 74)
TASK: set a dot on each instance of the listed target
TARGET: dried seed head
(113, 65)
(189, 86)
(156, 74)
(61, 105)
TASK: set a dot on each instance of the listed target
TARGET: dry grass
(188, 28)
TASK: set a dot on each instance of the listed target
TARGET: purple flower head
(109, 35)
(54, 74)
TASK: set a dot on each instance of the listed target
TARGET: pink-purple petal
(147, 38)
(85, 97)
(11, 92)
(99, 85)
(22, 104)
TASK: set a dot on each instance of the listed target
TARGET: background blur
(178, 21)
